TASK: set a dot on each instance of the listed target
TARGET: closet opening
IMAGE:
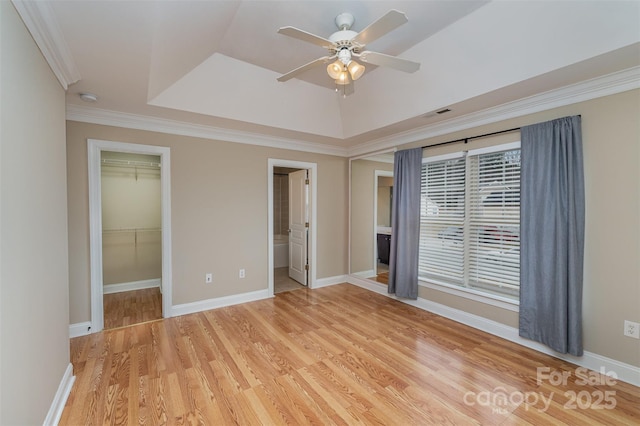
(131, 238)
(129, 233)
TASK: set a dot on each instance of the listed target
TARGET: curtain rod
(466, 140)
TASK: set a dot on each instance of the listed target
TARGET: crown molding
(162, 125)
(40, 20)
(609, 84)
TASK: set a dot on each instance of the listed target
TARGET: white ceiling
(215, 63)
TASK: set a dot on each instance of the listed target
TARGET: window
(470, 220)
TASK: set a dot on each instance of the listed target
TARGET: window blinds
(442, 220)
(494, 221)
(470, 220)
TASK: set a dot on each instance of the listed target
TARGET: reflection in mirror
(385, 193)
(371, 195)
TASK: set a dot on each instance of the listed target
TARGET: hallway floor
(282, 282)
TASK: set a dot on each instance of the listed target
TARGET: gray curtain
(552, 234)
(405, 224)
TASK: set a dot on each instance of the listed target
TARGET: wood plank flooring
(132, 307)
(383, 278)
(337, 355)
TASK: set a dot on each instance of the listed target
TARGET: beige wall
(611, 140)
(130, 198)
(219, 213)
(34, 314)
(131, 222)
(362, 209)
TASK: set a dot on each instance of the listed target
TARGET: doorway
(131, 238)
(291, 224)
(108, 227)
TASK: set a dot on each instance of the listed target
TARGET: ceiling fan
(345, 45)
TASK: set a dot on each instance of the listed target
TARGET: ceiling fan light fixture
(356, 70)
(343, 78)
(346, 44)
(335, 69)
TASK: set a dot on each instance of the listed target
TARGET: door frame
(313, 186)
(377, 174)
(94, 150)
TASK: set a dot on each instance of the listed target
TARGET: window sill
(471, 294)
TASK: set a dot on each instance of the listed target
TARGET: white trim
(606, 85)
(510, 146)
(79, 329)
(93, 115)
(625, 372)
(94, 148)
(610, 84)
(444, 157)
(313, 225)
(325, 282)
(475, 295)
(368, 155)
(365, 274)
(40, 20)
(131, 286)
(219, 302)
(60, 398)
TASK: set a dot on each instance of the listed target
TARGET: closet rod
(129, 163)
(466, 140)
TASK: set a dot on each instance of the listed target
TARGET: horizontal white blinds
(442, 220)
(494, 221)
(470, 221)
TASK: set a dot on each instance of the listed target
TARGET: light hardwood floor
(132, 307)
(336, 355)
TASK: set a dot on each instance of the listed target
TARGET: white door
(298, 225)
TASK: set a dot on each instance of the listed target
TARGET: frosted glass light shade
(355, 69)
(335, 69)
(343, 78)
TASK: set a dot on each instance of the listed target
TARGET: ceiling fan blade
(383, 60)
(389, 22)
(305, 67)
(305, 36)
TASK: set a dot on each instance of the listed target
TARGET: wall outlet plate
(241, 273)
(632, 329)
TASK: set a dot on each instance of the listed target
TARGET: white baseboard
(324, 282)
(60, 398)
(218, 302)
(134, 285)
(365, 274)
(79, 329)
(624, 372)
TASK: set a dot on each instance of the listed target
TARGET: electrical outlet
(632, 329)
(241, 273)
(208, 278)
